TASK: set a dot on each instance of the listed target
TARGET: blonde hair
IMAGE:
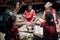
(48, 4)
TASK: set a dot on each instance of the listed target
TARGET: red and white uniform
(29, 15)
(53, 11)
(55, 15)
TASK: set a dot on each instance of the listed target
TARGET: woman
(12, 29)
(49, 27)
(29, 14)
(48, 8)
(18, 6)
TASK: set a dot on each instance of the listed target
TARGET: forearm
(43, 16)
(33, 19)
(22, 23)
(24, 18)
(55, 18)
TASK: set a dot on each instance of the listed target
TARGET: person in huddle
(29, 14)
(49, 27)
(12, 29)
(48, 8)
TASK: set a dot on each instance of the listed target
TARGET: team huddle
(48, 21)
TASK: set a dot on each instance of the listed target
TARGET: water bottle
(30, 37)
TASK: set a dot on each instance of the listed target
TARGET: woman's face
(17, 5)
(48, 9)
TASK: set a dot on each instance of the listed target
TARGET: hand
(55, 22)
(28, 23)
(57, 26)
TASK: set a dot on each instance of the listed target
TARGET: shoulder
(25, 11)
(53, 10)
(11, 13)
(33, 10)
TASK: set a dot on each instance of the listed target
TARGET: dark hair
(29, 4)
(11, 21)
(12, 7)
(49, 18)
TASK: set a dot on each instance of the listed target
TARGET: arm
(43, 16)
(55, 18)
(54, 14)
(22, 23)
(34, 17)
(24, 16)
(41, 21)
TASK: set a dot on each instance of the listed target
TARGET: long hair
(49, 18)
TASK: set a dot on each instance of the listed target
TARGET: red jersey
(49, 31)
(29, 15)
